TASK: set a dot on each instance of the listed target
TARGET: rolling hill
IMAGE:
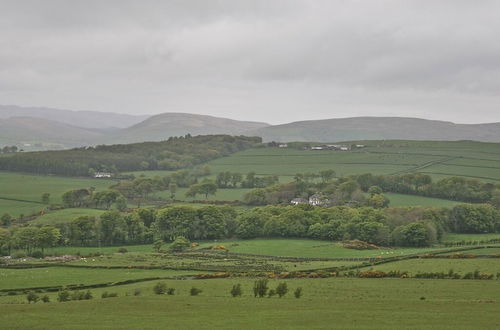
(162, 126)
(378, 128)
(85, 119)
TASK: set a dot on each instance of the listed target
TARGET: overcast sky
(273, 61)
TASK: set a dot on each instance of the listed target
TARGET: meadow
(64, 216)
(462, 266)
(21, 193)
(326, 303)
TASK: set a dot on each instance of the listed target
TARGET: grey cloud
(255, 60)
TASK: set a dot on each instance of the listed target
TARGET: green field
(326, 304)
(413, 266)
(54, 276)
(310, 248)
(64, 216)
(21, 193)
(452, 237)
(412, 200)
(438, 158)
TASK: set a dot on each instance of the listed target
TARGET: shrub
(282, 289)
(63, 296)
(105, 294)
(170, 291)
(122, 250)
(179, 244)
(78, 295)
(236, 290)
(37, 254)
(88, 295)
(260, 288)
(18, 255)
(45, 299)
(298, 293)
(160, 288)
(137, 292)
(32, 297)
(195, 291)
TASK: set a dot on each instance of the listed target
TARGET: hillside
(378, 128)
(28, 130)
(162, 126)
(85, 119)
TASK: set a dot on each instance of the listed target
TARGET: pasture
(437, 158)
(64, 216)
(462, 266)
(21, 193)
(337, 302)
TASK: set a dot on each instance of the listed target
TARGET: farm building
(102, 175)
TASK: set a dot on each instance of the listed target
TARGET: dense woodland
(172, 154)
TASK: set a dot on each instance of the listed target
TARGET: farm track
(425, 165)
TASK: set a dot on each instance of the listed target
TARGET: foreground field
(326, 304)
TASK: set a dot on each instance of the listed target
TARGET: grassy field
(309, 248)
(54, 276)
(461, 158)
(452, 237)
(326, 304)
(413, 266)
(21, 193)
(64, 216)
(412, 200)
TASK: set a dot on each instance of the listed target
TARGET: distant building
(318, 200)
(102, 175)
(297, 201)
(283, 145)
(317, 148)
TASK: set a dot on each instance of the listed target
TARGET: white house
(297, 201)
(318, 200)
(102, 175)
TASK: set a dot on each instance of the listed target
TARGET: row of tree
(410, 226)
(175, 153)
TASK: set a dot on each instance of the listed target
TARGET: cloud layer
(274, 61)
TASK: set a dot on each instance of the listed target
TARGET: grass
(451, 237)
(413, 266)
(412, 200)
(64, 216)
(309, 248)
(21, 193)
(54, 276)
(327, 303)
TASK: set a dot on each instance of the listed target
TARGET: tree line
(172, 154)
(402, 226)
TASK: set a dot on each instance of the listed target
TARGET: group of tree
(452, 188)
(229, 179)
(88, 197)
(29, 238)
(172, 154)
(9, 149)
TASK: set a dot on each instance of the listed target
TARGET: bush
(271, 293)
(18, 255)
(160, 288)
(32, 297)
(88, 295)
(45, 299)
(122, 250)
(298, 293)
(78, 295)
(37, 254)
(195, 291)
(137, 292)
(105, 294)
(63, 296)
(170, 291)
(260, 288)
(282, 289)
(179, 244)
(236, 290)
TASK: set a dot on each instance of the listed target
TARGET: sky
(271, 60)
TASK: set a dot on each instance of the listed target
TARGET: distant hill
(29, 130)
(85, 119)
(378, 128)
(162, 126)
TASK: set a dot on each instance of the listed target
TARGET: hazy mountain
(377, 128)
(86, 119)
(28, 130)
(162, 126)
